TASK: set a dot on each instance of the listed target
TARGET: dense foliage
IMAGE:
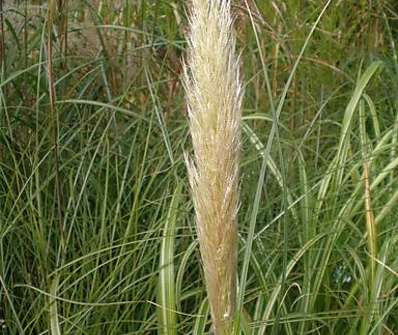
(97, 231)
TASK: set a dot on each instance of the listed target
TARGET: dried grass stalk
(214, 97)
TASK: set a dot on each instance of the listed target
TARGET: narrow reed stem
(2, 38)
(214, 97)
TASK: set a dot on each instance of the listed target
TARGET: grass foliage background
(96, 221)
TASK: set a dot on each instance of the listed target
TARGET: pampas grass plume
(214, 97)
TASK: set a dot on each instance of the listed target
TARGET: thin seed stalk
(369, 213)
(214, 95)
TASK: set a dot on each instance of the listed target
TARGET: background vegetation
(96, 222)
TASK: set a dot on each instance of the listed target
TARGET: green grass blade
(54, 321)
(201, 319)
(166, 295)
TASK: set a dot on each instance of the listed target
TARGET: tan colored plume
(214, 95)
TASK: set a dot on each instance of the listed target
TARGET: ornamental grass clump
(214, 97)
